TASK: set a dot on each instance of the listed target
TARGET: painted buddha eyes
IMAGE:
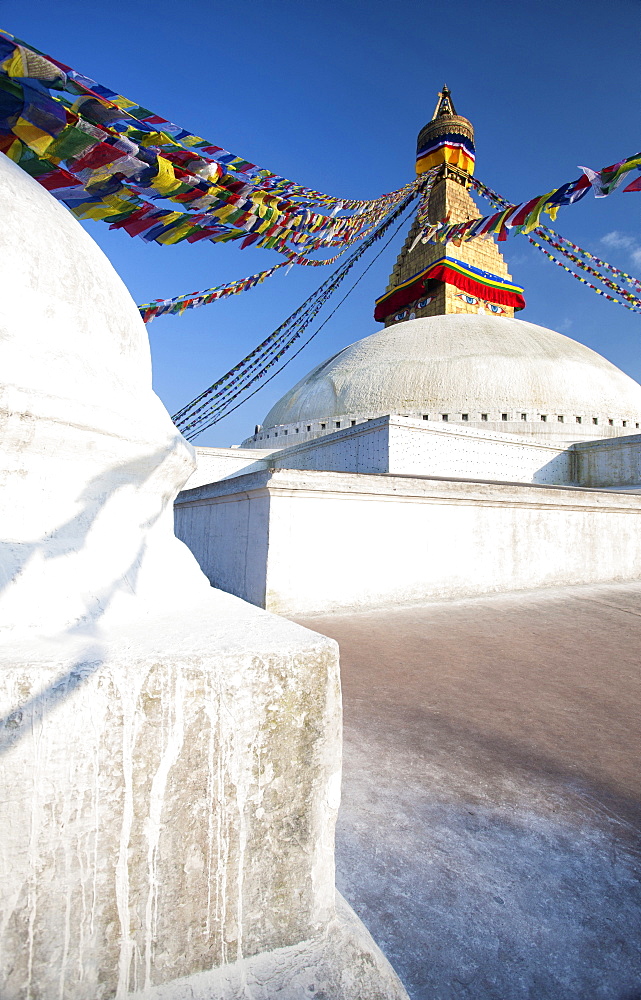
(483, 304)
(420, 304)
(470, 300)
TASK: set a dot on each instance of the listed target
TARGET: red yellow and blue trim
(473, 280)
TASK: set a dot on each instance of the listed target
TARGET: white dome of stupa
(89, 458)
(479, 369)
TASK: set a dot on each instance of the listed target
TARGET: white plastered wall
(341, 540)
(223, 463)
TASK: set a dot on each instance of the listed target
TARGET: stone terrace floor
(489, 832)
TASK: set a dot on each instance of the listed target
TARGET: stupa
(169, 755)
(457, 451)
(451, 349)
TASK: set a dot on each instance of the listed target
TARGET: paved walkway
(489, 833)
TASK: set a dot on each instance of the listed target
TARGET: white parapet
(412, 447)
(169, 756)
(298, 542)
(169, 799)
(615, 462)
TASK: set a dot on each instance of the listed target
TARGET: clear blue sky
(332, 95)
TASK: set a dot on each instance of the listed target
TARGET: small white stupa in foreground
(169, 756)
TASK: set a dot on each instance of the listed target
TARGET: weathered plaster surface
(169, 801)
(327, 966)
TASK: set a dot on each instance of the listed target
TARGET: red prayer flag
(489, 225)
(98, 156)
(202, 234)
(140, 213)
(523, 212)
(57, 179)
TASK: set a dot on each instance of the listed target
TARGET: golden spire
(423, 283)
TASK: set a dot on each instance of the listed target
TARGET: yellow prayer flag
(533, 219)
(157, 139)
(118, 204)
(14, 65)
(14, 151)
(224, 212)
(94, 210)
(174, 235)
(165, 181)
(32, 136)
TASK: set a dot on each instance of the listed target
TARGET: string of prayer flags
(180, 303)
(422, 221)
(629, 279)
(108, 106)
(177, 306)
(526, 217)
(212, 404)
(580, 257)
(628, 305)
(108, 158)
(630, 297)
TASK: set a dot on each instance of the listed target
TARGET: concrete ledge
(306, 542)
(399, 487)
(224, 463)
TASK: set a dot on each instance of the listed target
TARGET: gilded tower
(434, 279)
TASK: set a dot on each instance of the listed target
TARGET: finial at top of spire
(445, 104)
(447, 139)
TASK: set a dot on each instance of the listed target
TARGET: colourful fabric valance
(487, 286)
(453, 148)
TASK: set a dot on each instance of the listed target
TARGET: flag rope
(210, 403)
(565, 247)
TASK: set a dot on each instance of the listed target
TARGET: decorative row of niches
(333, 425)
